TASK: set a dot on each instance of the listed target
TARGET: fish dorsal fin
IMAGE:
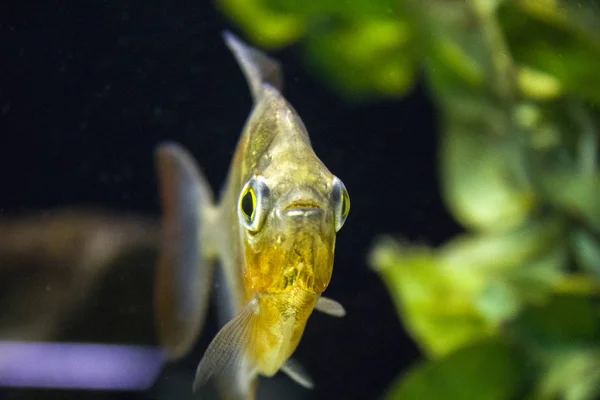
(225, 358)
(257, 67)
(330, 307)
(294, 370)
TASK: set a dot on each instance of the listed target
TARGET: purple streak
(79, 366)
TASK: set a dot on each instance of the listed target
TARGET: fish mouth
(302, 208)
(302, 205)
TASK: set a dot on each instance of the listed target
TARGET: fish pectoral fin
(258, 68)
(225, 358)
(330, 307)
(294, 370)
(186, 261)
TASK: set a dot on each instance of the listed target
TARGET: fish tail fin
(226, 359)
(258, 68)
(186, 261)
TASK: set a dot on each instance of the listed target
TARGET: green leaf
(471, 285)
(572, 375)
(560, 41)
(494, 253)
(488, 370)
(366, 58)
(581, 17)
(498, 302)
(562, 340)
(436, 304)
(532, 283)
(577, 194)
(535, 280)
(562, 321)
(265, 27)
(586, 249)
(460, 52)
(480, 171)
(352, 9)
(507, 270)
(538, 85)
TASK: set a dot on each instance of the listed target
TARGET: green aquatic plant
(510, 308)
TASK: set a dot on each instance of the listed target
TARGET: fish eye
(253, 204)
(342, 203)
(248, 203)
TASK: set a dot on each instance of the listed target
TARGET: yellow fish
(273, 233)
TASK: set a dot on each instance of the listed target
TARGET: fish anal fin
(330, 307)
(226, 359)
(258, 68)
(297, 373)
(185, 264)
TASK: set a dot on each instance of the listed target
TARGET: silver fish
(273, 234)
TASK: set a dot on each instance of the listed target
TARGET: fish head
(289, 216)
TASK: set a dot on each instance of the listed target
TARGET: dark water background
(87, 89)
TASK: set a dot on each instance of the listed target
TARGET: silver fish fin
(330, 307)
(225, 358)
(258, 68)
(294, 370)
(186, 261)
